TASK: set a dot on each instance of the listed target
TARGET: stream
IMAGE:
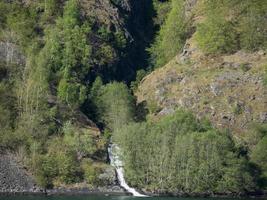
(115, 161)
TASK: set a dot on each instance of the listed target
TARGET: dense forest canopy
(76, 64)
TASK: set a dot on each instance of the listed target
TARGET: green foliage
(116, 105)
(216, 35)
(92, 171)
(259, 157)
(253, 25)
(140, 74)
(162, 9)
(105, 54)
(255, 134)
(256, 139)
(265, 76)
(152, 106)
(22, 22)
(231, 25)
(237, 109)
(72, 93)
(94, 97)
(185, 155)
(65, 50)
(172, 35)
(120, 39)
(68, 51)
(50, 7)
(3, 9)
(79, 140)
(58, 166)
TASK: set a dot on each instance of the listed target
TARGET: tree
(172, 35)
(259, 157)
(116, 105)
(79, 140)
(231, 25)
(178, 153)
(68, 53)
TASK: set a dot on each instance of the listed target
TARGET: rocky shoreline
(113, 190)
(15, 180)
(69, 192)
(121, 192)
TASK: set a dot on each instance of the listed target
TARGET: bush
(216, 35)
(140, 74)
(253, 25)
(92, 172)
(79, 140)
(58, 166)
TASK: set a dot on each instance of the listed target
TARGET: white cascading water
(115, 161)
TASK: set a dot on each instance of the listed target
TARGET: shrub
(78, 139)
(140, 74)
(231, 25)
(58, 166)
(92, 172)
(252, 25)
(216, 35)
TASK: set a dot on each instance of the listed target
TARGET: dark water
(99, 197)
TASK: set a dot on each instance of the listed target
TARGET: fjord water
(102, 197)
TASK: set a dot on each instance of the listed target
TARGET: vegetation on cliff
(180, 154)
(69, 89)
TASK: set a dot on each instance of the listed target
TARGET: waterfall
(115, 161)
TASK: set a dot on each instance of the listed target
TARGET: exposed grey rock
(108, 13)
(124, 4)
(263, 117)
(108, 177)
(184, 57)
(166, 111)
(215, 89)
(11, 54)
(160, 92)
(15, 179)
(261, 53)
(115, 189)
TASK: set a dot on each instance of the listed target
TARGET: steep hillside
(226, 89)
(208, 59)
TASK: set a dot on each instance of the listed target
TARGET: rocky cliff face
(228, 90)
(14, 178)
(106, 12)
(11, 54)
